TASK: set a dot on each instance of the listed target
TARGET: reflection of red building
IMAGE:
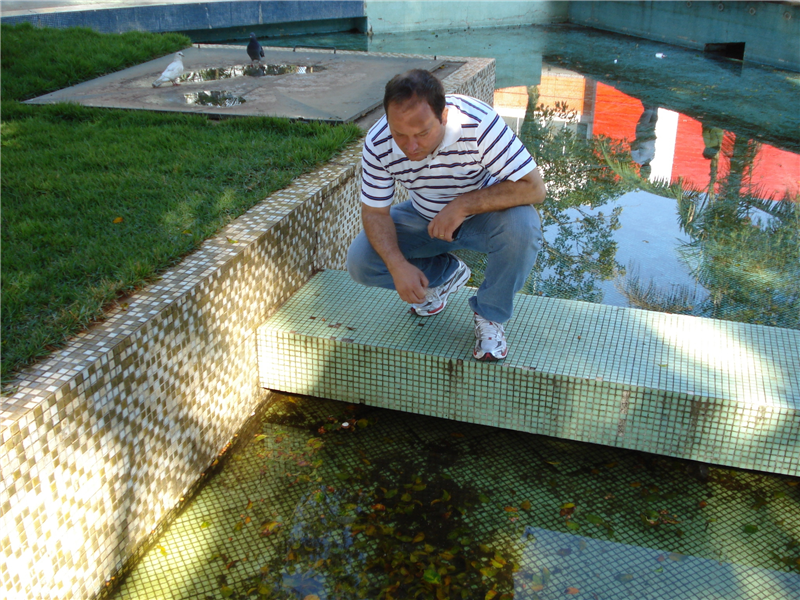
(775, 173)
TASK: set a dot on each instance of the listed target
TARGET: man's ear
(444, 115)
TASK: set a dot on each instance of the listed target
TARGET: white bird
(172, 72)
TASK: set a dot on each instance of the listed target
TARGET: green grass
(97, 203)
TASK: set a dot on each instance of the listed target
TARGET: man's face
(415, 128)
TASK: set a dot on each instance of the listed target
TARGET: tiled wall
(102, 439)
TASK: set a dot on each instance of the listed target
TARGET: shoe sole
(489, 357)
(456, 286)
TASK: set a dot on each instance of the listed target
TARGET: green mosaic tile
(720, 392)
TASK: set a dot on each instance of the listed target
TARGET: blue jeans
(511, 239)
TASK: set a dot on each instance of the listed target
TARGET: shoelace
(488, 330)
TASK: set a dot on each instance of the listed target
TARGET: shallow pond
(335, 501)
(673, 185)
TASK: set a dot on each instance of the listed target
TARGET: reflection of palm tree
(744, 248)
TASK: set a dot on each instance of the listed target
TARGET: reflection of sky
(647, 244)
(609, 570)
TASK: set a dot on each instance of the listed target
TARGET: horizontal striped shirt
(478, 150)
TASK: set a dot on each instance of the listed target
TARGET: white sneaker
(490, 340)
(436, 298)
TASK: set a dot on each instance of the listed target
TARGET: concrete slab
(219, 80)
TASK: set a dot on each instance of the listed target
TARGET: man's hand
(450, 218)
(409, 282)
(529, 189)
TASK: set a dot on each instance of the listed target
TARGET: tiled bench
(701, 389)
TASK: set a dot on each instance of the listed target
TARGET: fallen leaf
(572, 591)
(232, 241)
(703, 504)
(594, 519)
(431, 575)
(526, 505)
(418, 538)
(676, 557)
(511, 509)
(118, 220)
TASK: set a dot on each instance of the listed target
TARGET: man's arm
(409, 281)
(529, 189)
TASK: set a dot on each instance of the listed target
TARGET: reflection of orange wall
(564, 88)
(775, 172)
(688, 162)
(615, 113)
(511, 97)
(778, 171)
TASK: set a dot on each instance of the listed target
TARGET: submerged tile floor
(335, 501)
(689, 387)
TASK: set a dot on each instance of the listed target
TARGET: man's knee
(355, 264)
(521, 226)
(363, 263)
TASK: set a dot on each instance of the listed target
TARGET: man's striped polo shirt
(478, 150)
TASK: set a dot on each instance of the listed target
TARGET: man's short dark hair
(419, 83)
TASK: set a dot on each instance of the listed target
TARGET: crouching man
(472, 185)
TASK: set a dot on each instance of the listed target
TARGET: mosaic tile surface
(102, 439)
(713, 391)
(607, 522)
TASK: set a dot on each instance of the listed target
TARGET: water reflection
(214, 98)
(215, 74)
(735, 199)
(557, 563)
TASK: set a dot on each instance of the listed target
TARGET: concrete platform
(688, 387)
(219, 80)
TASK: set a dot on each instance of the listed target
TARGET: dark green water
(330, 500)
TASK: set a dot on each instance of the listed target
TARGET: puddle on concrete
(216, 74)
(335, 501)
(214, 98)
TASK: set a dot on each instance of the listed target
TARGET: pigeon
(172, 72)
(254, 50)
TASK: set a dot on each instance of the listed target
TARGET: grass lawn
(96, 203)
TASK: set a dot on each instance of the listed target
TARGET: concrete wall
(770, 30)
(392, 16)
(192, 16)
